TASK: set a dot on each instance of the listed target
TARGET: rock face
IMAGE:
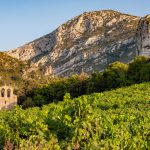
(87, 43)
(143, 36)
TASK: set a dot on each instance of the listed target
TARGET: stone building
(7, 98)
(143, 37)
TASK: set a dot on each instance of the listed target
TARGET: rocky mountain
(143, 36)
(86, 43)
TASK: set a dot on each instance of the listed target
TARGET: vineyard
(117, 119)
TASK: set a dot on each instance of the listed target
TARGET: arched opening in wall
(3, 92)
(8, 93)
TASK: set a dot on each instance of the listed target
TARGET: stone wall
(7, 98)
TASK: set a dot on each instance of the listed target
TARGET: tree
(28, 103)
(96, 83)
(115, 75)
(134, 70)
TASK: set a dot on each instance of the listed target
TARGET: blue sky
(22, 21)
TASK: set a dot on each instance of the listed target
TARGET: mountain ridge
(87, 43)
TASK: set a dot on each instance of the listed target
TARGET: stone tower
(7, 97)
(143, 36)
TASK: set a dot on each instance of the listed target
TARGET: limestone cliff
(87, 43)
(143, 36)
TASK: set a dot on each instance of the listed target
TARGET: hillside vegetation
(118, 119)
(11, 69)
(19, 74)
(114, 76)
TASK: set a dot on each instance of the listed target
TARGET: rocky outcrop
(143, 36)
(87, 43)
